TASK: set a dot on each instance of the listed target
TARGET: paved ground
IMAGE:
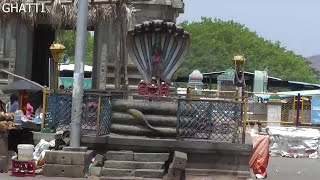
(293, 169)
(6, 176)
(279, 169)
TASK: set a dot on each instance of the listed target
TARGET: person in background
(14, 103)
(2, 106)
(38, 111)
(29, 110)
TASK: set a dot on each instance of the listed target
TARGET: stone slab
(4, 168)
(127, 178)
(174, 174)
(119, 155)
(179, 160)
(166, 145)
(219, 161)
(133, 165)
(149, 173)
(95, 171)
(68, 157)
(116, 172)
(58, 170)
(75, 149)
(218, 172)
(151, 157)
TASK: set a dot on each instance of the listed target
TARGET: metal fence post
(98, 115)
(210, 120)
(298, 110)
(293, 109)
(44, 106)
(302, 109)
(178, 118)
(245, 120)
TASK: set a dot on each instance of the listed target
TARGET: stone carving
(158, 48)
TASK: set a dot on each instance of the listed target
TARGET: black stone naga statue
(158, 48)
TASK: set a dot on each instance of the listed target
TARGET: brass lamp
(56, 51)
(239, 79)
(239, 61)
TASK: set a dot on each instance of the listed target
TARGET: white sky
(295, 23)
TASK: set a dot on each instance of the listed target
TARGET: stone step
(213, 172)
(119, 155)
(149, 173)
(133, 165)
(144, 173)
(141, 157)
(151, 157)
(116, 172)
(127, 178)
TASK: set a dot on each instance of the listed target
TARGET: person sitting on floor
(14, 103)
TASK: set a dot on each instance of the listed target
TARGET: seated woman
(29, 111)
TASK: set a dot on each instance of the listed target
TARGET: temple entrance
(44, 35)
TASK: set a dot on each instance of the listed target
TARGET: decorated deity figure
(157, 62)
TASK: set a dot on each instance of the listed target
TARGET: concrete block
(37, 136)
(174, 174)
(149, 173)
(4, 168)
(179, 160)
(116, 172)
(98, 160)
(76, 149)
(119, 155)
(58, 170)
(151, 157)
(95, 171)
(133, 165)
(68, 157)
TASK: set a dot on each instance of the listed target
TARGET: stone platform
(205, 158)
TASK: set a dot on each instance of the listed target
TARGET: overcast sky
(295, 23)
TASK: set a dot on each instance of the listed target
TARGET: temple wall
(105, 45)
(16, 43)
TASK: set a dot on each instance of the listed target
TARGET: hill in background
(216, 42)
(315, 63)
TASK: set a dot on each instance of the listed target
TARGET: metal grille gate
(96, 116)
(210, 119)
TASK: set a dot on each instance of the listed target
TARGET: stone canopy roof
(64, 12)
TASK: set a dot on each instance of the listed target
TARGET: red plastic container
(23, 168)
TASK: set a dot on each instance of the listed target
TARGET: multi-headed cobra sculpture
(158, 48)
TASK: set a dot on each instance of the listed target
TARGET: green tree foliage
(68, 39)
(215, 42)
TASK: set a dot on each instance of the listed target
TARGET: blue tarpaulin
(315, 110)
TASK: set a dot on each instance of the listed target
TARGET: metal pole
(56, 77)
(298, 110)
(78, 75)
